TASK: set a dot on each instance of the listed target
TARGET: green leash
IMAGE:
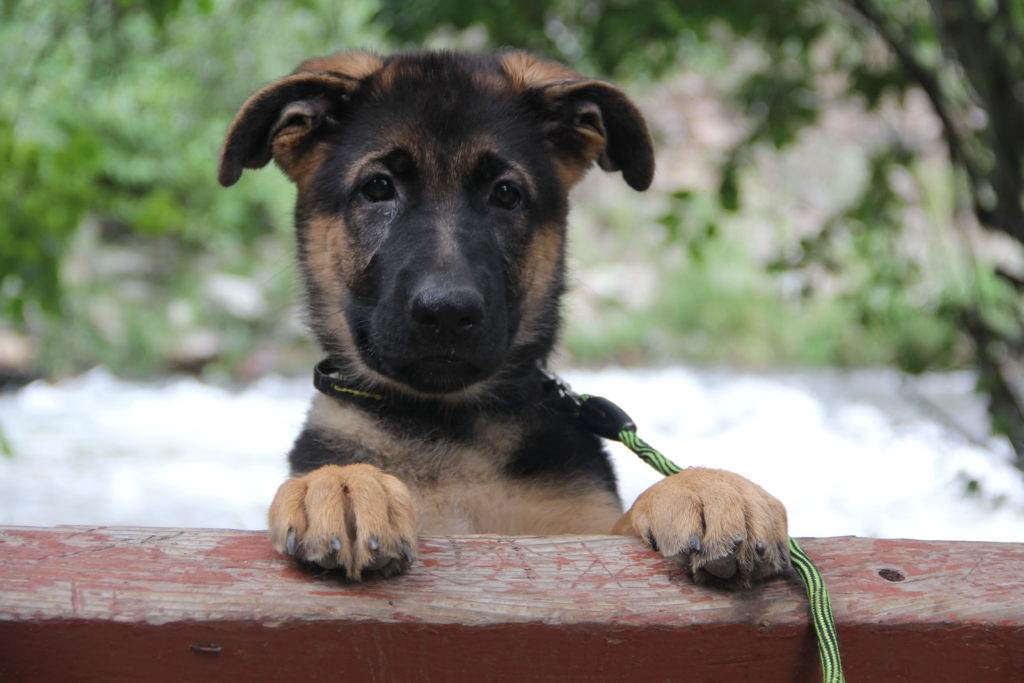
(606, 419)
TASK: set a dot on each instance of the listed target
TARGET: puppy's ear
(281, 120)
(586, 120)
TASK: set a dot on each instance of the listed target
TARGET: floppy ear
(281, 120)
(586, 120)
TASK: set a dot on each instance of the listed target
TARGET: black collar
(330, 382)
(541, 387)
(536, 386)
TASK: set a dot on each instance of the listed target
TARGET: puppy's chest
(474, 496)
(463, 487)
(468, 491)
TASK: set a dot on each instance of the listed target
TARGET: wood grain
(83, 603)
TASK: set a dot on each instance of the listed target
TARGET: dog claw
(335, 544)
(406, 552)
(292, 542)
(685, 555)
(760, 547)
(651, 541)
(695, 543)
(374, 543)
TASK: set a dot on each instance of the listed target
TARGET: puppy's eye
(379, 188)
(505, 195)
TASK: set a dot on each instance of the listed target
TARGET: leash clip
(598, 414)
(604, 418)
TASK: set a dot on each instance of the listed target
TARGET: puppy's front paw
(353, 516)
(719, 527)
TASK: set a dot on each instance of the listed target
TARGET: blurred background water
(870, 453)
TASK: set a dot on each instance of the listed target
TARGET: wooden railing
(134, 604)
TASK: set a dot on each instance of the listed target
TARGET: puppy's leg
(352, 516)
(719, 527)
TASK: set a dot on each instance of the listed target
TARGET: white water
(867, 453)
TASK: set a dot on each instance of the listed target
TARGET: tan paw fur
(355, 517)
(718, 526)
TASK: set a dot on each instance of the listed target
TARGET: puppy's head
(432, 200)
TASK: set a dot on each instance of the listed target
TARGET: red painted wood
(127, 604)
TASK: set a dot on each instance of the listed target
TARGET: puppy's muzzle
(444, 331)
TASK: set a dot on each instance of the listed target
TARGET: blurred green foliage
(111, 114)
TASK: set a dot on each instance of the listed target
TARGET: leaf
(728, 190)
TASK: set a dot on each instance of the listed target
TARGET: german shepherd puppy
(431, 223)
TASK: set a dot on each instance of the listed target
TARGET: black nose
(450, 313)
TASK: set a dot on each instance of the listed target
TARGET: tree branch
(928, 82)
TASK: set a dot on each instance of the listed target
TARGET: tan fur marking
(527, 71)
(539, 270)
(329, 251)
(300, 168)
(500, 506)
(328, 248)
(572, 170)
(356, 64)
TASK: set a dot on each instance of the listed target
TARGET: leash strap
(821, 614)
(606, 419)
